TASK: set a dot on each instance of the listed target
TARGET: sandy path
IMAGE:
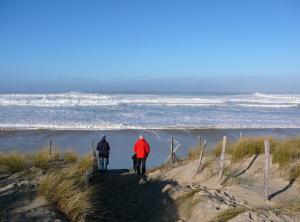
(124, 196)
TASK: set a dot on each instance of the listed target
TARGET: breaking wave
(72, 99)
(76, 110)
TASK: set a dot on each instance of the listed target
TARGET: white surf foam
(86, 99)
(76, 110)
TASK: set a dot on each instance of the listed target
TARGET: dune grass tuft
(217, 150)
(244, 147)
(55, 155)
(65, 188)
(85, 163)
(13, 162)
(40, 159)
(287, 151)
(247, 147)
(70, 157)
(194, 152)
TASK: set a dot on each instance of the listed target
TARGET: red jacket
(141, 148)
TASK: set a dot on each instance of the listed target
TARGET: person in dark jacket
(142, 150)
(103, 154)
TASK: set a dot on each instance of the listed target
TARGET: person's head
(103, 138)
(141, 137)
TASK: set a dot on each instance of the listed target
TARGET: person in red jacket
(141, 150)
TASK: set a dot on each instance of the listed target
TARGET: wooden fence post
(222, 158)
(241, 135)
(172, 152)
(266, 169)
(199, 141)
(50, 147)
(201, 156)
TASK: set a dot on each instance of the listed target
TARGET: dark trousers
(139, 162)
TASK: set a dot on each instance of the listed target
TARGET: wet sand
(122, 141)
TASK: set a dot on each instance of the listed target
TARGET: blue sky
(149, 45)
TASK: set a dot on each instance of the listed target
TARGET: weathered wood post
(241, 135)
(222, 158)
(50, 147)
(199, 141)
(266, 169)
(201, 156)
(172, 152)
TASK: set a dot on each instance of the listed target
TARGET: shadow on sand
(247, 168)
(123, 196)
(234, 174)
(271, 196)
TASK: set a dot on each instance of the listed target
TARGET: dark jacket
(103, 147)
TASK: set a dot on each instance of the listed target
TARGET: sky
(150, 45)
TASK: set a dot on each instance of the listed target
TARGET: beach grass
(55, 155)
(70, 157)
(85, 163)
(65, 188)
(249, 146)
(244, 147)
(287, 151)
(13, 162)
(217, 150)
(194, 152)
(17, 162)
(40, 159)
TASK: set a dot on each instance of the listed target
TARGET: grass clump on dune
(85, 163)
(70, 157)
(287, 151)
(194, 152)
(217, 150)
(247, 147)
(13, 162)
(65, 188)
(55, 155)
(40, 159)
(244, 147)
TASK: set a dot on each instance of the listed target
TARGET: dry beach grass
(61, 181)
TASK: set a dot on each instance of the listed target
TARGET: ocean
(76, 110)
(73, 120)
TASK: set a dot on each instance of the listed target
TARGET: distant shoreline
(122, 140)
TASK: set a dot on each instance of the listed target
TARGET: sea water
(73, 120)
(77, 110)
